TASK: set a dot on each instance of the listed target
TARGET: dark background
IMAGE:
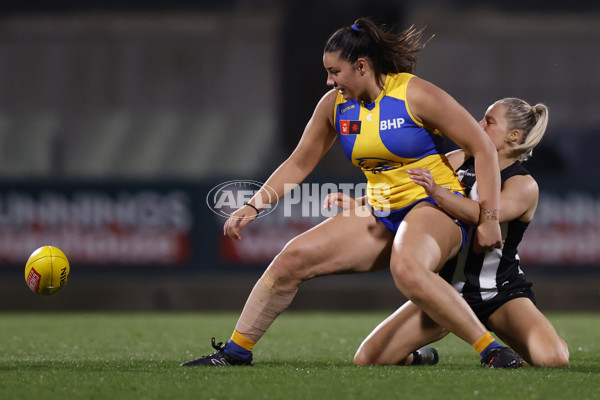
(129, 97)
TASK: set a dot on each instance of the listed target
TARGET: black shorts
(483, 309)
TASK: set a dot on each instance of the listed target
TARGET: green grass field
(303, 356)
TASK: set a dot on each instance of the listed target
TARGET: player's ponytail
(530, 120)
(388, 52)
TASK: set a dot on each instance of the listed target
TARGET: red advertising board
(97, 226)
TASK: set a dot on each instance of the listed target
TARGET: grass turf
(303, 356)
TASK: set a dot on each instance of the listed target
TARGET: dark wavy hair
(388, 52)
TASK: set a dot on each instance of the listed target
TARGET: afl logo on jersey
(349, 127)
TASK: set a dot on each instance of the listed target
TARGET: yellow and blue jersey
(384, 140)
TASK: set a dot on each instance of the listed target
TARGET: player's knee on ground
(363, 356)
(551, 356)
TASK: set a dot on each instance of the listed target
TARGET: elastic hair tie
(356, 28)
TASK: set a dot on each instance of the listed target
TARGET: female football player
(388, 121)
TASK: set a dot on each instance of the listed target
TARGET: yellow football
(47, 270)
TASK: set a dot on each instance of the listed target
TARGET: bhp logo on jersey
(395, 123)
(227, 197)
(348, 127)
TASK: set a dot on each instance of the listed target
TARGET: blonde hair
(530, 120)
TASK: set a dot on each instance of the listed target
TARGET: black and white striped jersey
(479, 276)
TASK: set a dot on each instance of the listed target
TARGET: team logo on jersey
(377, 165)
(348, 127)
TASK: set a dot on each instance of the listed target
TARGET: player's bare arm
(436, 109)
(318, 137)
(519, 198)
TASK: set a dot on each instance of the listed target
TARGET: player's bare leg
(394, 340)
(523, 327)
(425, 240)
(351, 242)
(343, 244)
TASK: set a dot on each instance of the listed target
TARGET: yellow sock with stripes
(242, 341)
(484, 342)
(239, 346)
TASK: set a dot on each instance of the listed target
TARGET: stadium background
(116, 120)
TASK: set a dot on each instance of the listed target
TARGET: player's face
(342, 76)
(494, 123)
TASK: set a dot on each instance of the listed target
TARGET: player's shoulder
(425, 98)
(331, 96)
(328, 100)
(516, 169)
(526, 181)
(324, 110)
(524, 185)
